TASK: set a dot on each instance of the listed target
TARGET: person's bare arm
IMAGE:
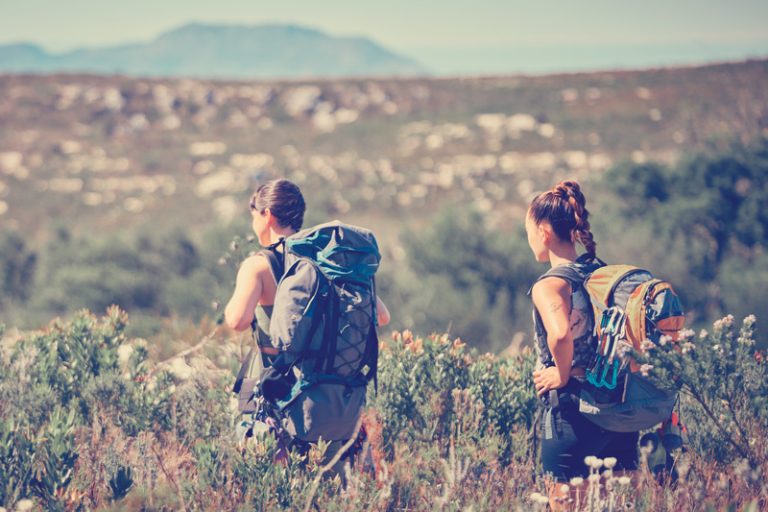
(239, 311)
(552, 298)
(382, 313)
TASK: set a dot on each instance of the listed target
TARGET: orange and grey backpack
(630, 306)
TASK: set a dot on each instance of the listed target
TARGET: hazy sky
(445, 32)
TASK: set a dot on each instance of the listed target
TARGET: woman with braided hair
(563, 325)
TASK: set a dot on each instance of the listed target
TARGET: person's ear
(545, 232)
(269, 217)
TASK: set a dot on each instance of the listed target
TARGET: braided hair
(564, 207)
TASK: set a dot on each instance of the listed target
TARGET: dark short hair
(284, 200)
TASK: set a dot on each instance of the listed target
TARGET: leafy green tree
(704, 211)
(469, 278)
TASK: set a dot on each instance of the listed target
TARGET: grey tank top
(581, 320)
(260, 333)
(262, 316)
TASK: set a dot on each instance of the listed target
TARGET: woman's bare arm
(552, 298)
(239, 311)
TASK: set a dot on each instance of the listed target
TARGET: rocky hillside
(109, 152)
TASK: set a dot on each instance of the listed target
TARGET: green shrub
(420, 396)
(724, 382)
(89, 423)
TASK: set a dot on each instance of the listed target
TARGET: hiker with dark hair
(277, 209)
(563, 325)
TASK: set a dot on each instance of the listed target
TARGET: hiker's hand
(546, 379)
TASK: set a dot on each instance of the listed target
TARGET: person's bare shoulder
(550, 286)
(255, 264)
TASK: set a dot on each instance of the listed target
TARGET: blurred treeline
(703, 224)
(153, 275)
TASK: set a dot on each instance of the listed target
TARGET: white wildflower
(686, 334)
(594, 478)
(610, 462)
(703, 334)
(564, 488)
(589, 460)
(624, 480)
(535, 497)
(716, 347)
(623, 349)
(750, 321)
(687, 347)
(577, 481)
(647, 345)
(646, 369)
(664, 340)
(723, 323)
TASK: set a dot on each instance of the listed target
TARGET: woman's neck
(276, 235)
(562, 254)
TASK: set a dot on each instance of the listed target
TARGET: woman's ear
(269, 218)
(545, 232)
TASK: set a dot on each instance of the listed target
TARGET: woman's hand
(547, 379)
(382, 313)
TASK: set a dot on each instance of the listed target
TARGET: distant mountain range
(223, 51)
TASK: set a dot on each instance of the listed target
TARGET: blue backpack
(324, 316)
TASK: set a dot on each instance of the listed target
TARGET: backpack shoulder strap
(572, 276)
(275, 259)
(575, 275)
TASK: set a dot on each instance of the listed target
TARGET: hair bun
(568, 189)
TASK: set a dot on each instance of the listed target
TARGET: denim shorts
(568, 437)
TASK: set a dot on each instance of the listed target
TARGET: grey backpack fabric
(324, 325)
(637, 405)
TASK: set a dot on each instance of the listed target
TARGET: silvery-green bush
(723, 379)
